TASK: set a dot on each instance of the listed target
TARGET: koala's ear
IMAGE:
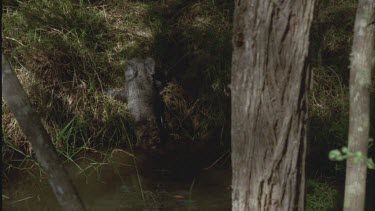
(150, 66)
(130, 72)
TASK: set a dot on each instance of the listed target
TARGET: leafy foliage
(337, 155)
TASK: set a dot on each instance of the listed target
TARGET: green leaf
(357, 159)
(334, 155)
(345, 150)
(370, 164)
(358, 154)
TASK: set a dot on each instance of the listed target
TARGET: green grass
(66, 54)
(321, 196)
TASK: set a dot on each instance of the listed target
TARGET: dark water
(115, 185)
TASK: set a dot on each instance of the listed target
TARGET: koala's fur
(142, 97)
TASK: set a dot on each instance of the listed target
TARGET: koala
(142, 93)
(143, 98)
(140, 89)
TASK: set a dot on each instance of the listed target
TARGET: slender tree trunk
(270, 80)
(362, 61)
(31, 125)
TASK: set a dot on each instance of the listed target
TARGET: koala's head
(136, 65)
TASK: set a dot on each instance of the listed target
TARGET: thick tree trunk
(18, 102)
(270, 80)
(362, 61)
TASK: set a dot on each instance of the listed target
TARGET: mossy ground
(67, 53)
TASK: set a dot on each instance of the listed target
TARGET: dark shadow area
(192, 49)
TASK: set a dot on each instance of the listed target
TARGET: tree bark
(17, 101)
(359, 112)
(270, 80)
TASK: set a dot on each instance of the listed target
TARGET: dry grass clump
(321, 196)
(328, 96)
(188, 119)
(193, 45)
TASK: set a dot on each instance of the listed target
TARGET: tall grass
(66, 54)
(321, 196)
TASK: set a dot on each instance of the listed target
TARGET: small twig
(216, 161)
(9, 38)
(24, 199)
